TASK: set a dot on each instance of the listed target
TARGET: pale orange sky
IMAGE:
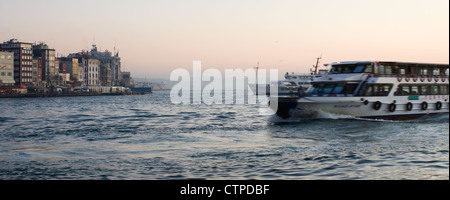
(158, 36)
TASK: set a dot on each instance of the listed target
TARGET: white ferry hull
(362, 107)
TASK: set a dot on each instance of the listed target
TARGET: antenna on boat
(315, 67)
(257, 68)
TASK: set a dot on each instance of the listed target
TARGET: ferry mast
(315, 67)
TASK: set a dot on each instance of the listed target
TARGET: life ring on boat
(407, 78)
(424, 105)
(422, 78)
(399, 78)
(415, 78)
(409, 106)
(438, 105)
(377, 105)
(392, 107)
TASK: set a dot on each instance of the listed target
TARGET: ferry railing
(416, 78)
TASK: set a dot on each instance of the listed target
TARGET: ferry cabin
(376, 90)
(383, 79)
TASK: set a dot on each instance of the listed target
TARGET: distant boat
(293, 83)
(145, 90)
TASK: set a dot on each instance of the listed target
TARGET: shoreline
(2, 96)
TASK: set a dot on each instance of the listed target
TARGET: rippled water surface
(147, 137)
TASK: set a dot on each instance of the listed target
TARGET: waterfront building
(127, 81)
(49, 71)
(37, 71)
(23, 61)
(81, 73)
(107, 60)
(6, 69)
(105, 75)
(90, 66)
(71, 67)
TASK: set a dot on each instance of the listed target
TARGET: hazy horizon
(156, 37)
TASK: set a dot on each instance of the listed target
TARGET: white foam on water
(327, 115)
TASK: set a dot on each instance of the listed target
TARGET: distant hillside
(155, 83)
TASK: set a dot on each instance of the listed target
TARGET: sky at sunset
(157, 36)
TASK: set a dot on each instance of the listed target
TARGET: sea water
(148, 137)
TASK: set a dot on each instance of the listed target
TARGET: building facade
(91, 69)
(6, 69)
(105, 75)
(37, 71)
(49, 69)
(107, 60)
(23, 61)
(72, 67)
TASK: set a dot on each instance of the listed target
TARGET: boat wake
(321, 115)
(317, 115)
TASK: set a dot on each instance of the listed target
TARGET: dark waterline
(147, 137)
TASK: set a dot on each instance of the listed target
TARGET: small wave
(327, 115)
(334, 116)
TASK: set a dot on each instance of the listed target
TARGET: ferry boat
(373, 89)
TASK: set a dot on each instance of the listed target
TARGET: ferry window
(328, 88)
(388, 69)
(414, 90)
(339, 69)
(423, 72)
(377, 90)
(368, 91)
(385, 89)
(381, 69)
(434, 90)
(350, 88)
(317, 89)
(395, 70)
(403, 71)
(423, 89)
(436, 71)
(405, 90)
(359, 69)
(368, 69)
(338, 89)
(444, 90)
